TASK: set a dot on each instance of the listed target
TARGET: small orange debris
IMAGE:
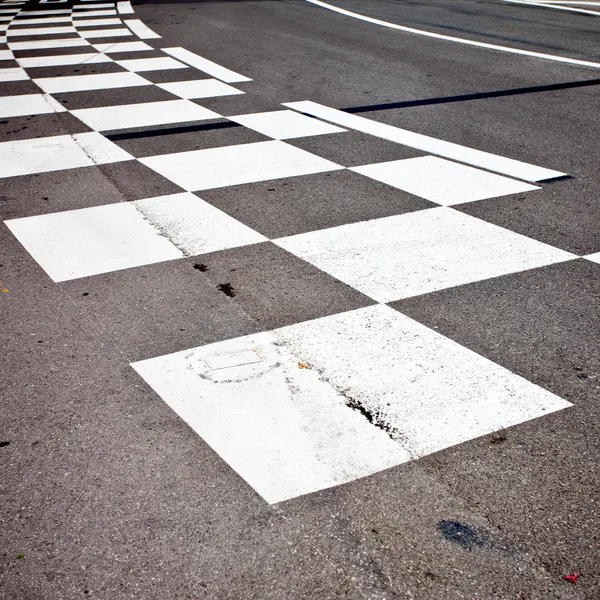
(303, 365)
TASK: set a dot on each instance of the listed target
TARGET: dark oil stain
(200, 267)
(465, 536)
(227, 289)
(499, 438)
(2, 444)
(85, 294)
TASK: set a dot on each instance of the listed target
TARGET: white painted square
(199, 88)
(285, 124)
(45, 44)
(122, 47)
(85, 58)
(289, 431)
(195, 226)
(161, 63)
(443, 181)
(415, 253)
(29, 104)
(233, 165)
(89, 241)
(13, 74)
(97, 81)
(24, 157)
(104, 33)
(126, 116)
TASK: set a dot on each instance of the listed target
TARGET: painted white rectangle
(86, 58)
(126, 116)
(199, 88)
(161, 63)
(416, 253)
(97, 22)
(5, 19)
(9, 11)
(6, 55)
(24, 157)
(43, 21)
(442, 181)
(104, 33)
(13, 74)
(37, 31)
(233, 165)
(125, 8)
(80, 8)
(122, 47)
(290, 431)
(96, 81)
(208, 66)
(41, 13)
(477, 158)
(195, 226)
(44, 44)
(142, 31)
(89, 241)
(285, 124)
(28, 104)
(78, 16)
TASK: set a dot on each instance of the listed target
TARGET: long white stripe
(208, 66)
(41, 13)
(86, 58)
(42, 31)
(439, 36)
(42, 21)
(569, 2)
(141, 30)
(555, 6)
(477, 158)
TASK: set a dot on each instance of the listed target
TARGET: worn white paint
(85, 58)
(288, 431)
(143, 114)
(443, 181)
(160, 63)
(96, 81)
(199, 88)
(232, 165)
(285, 124)
(122, 47)
(477, 158)
(28, 104)
(24, 157)
(141, 30)
(208, 66)
(448, 38)
(415, 253)
(45, 44)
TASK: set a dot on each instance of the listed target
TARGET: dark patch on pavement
(200, 267)
(465, 536)
(2, 444)
(227, 289)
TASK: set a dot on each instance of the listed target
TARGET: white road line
(199, 88)
(82, 16)
(79, 23)
(92, 7)
(141, 30)
(439, 36)
(208, 66)
(44, 44)
(555, 6)
(41, 31)
(122, 47)
(159, 63)
(571, 2)
(125, 8)
(442, 181)
(87, 58)
(23, 21)
(477, 158)
(234, 165)
(29, 104)
(289, 431)
(104, 33)
(143, 114)
(84, 83)
(40, 13)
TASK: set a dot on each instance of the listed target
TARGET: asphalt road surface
(299, 300)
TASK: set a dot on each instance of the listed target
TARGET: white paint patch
(593, 257)
(208, 66)
(24, 157)
(89, 241)
(138, 65)
(416, 253)
(13, 74)
(288, 431)
(92, 13)
(43, 21)
(142, 115)
(97, 81)
(86, 58)
(285, 124)
(233, 165)
(6, 55)
(142, 31)
(439, 36)
(97, 22)
(125, 8)
(9, 11)
(195, 226)
(41, 13)
(80, 8)
(477, 158)
(41, 31)
(122, 47)
(447, 183)
(199, 88)
(104, 33)
(45, 44)
(29, 104)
